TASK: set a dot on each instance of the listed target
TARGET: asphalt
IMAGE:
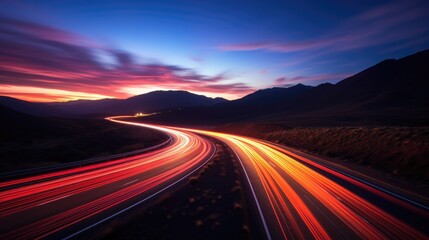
(295, 195)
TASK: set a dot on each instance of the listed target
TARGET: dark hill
(149, 102)
(257, 104)
(391, 92)
(37, 109)
(15, 125)
(30, 141)
(85, 107)
(160, 100)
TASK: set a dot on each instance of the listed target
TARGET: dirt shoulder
(210, 205)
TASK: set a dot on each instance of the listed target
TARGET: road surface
(300, 198)
(65, 203)
(295, 195)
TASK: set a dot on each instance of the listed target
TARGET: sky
(68, 50)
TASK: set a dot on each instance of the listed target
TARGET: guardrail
(34, 171)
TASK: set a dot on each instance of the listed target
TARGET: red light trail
(296, 197)
(66, 197)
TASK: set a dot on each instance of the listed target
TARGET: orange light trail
(287, 182)
(294, 195)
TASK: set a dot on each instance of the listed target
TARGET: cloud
(246, 46)
(197, 59)
(43, 57)
(46, 94)
(384, 24)
(280, 81)
(317, 78)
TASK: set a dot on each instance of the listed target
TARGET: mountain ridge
(393, 91)
(390, 92)
(149, 102)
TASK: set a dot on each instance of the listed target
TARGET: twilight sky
(66, 50)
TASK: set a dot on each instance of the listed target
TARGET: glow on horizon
(133, 91)
(125, 48)
(37, 94)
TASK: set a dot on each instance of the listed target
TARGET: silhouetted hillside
(159, 100)
(30, 141)
(257, 104)
(86, 107)
(38, 109)
(392, 92)
(15, 125)
(149, 102)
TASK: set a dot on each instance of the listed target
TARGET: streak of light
(286, 180)
(293, 197)
(82, 193)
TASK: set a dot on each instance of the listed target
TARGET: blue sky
(216, 48)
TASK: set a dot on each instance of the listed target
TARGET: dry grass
(399, 150)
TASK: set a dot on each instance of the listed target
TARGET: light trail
(303, 203)
(296, 197)
(39, 206)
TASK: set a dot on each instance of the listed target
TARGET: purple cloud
(34, 55)
(387, 23)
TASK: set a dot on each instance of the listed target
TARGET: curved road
(296, 196)
(300, 198)
(65, 203)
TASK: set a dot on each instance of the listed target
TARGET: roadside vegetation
(52, 141)
(400, 151)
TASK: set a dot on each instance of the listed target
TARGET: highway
(296, 196)
(299, 198)
(63, 204)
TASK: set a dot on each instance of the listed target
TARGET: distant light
(140, 114)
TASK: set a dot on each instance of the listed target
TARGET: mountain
(391, 92)
(37, 109)
(29, 141)
(257, 104)
(85, 107)
(149, 102)
(16, 125)
(390, 83)
(160, 100)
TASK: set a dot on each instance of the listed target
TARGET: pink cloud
(383, 24)
(245, 46)
(43, 57)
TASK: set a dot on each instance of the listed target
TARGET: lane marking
(267, 232)
(53, 200)
(143, 200)
(128, 183)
